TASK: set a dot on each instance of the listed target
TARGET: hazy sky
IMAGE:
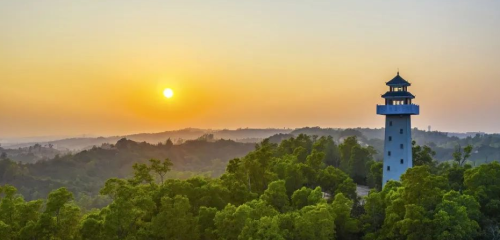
(99, 67)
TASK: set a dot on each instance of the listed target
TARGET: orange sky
(99, 67)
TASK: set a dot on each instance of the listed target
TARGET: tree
(230, 221)
(206, 223)
(422, 155)
(131, 205)
(358, 164)
(266, 228)
(452, 222)
(461, 156)
(175, 220)
(333, 180)
(6, 231)
(331, 150)
(56, 201)
(315, 223)
(416, 225)
(91, 226)
(161, 168)
(315, 160)
(169, 143)
(60, 219)
(299, 198)
(276, 196)
(141, 174)
(482, 182)
(301, 154)
(345, 152)
(374, 178)
(346, 226)
(306, 196)
(423, 188)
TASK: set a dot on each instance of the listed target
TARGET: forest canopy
(302, 188)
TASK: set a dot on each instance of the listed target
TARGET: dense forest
(84, 173)
(302, 188)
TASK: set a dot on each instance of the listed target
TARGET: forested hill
(85, 172)
(303, 188)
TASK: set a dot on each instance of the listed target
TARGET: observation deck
(407, 109)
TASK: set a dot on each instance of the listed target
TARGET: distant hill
(86, 171)
(487, 146)
(177, 136)
(31, 154)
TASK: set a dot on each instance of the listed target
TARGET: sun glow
(168, 93)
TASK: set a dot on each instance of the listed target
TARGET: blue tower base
(397, 147)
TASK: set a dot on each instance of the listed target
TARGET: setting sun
(168, 93)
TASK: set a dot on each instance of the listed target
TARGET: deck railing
(411, 109)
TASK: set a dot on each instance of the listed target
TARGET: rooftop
(398, 81)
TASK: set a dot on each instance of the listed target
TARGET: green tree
(345, 152)
(346, 226)
(6, 231)
(206, 223)
(276, 196)
(230, 221)
(333, 180)
(61, 217)
(452, 222)
(422, 155)
(331, 150)
(359, 163)
(374, 178)
(141, 174)
(175, 220)
(266, 228)
(461, 155)
(315, 160)
(315, 222)
(91, 226)
(161, 168)
(483, 183)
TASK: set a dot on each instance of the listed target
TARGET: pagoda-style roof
(398, 81)
(398, 95)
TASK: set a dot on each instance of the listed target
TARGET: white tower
(398, 109)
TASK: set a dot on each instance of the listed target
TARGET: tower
(398, 109)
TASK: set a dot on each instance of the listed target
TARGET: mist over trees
(486, 146)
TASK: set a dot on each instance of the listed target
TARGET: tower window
(388, 168)
(389, 153)
(401, 131)
(390, 138)
(402, 161)
(390, 123)
(401, 146)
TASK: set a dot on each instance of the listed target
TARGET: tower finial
(398, 71)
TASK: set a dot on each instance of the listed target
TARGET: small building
(398, 109)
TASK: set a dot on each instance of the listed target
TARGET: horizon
(101, 68)
(46, 139)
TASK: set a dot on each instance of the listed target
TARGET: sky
(100, 67)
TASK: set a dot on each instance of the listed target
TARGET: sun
(168, 93)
